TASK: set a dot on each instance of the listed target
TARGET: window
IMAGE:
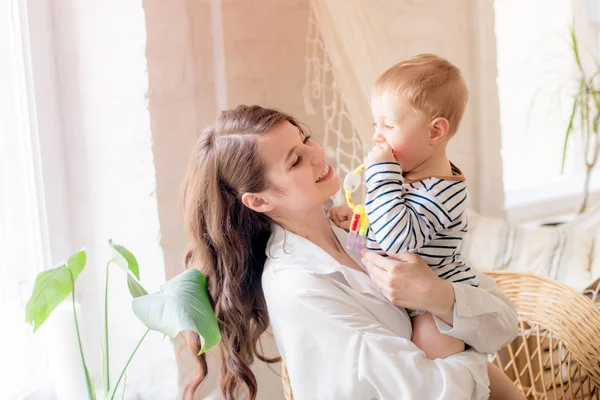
(22, 250)
(534, 68)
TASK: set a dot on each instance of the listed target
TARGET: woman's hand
(407, 281)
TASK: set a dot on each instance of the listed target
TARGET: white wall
(181, 101)
(102, 74)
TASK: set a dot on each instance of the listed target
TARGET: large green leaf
(181, 304)
(52, 287)
(127, 261)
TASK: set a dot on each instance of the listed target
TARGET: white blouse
(341, 339)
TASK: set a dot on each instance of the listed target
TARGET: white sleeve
(483, 316)
(335, 349)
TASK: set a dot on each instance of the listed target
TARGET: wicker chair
(557, 355)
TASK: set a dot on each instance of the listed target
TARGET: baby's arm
(341, 216)
(404, 221)
(428, 338)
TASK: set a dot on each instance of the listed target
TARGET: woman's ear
(440, 128)
(256, 202)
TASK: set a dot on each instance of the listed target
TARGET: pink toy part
(360, 243)
(351, 240)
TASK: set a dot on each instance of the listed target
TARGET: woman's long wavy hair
(228, 240)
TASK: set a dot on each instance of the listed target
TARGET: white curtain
(356, 46)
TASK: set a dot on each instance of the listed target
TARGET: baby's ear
(440, 129)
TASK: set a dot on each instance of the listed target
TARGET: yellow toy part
(359, 224)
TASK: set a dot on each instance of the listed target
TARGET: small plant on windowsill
(181, 304)
(585, 116)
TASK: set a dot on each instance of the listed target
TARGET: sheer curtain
(345, 52)
(356, 48)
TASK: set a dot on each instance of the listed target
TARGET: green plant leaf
(51, 288)
(125, 258)
(568, 134)
(575, 48)
(127, 261)
(181, 304)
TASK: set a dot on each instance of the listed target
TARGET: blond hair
(431, 84)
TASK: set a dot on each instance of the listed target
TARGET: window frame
(41, 153)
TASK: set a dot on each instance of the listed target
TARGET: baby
(416, 198)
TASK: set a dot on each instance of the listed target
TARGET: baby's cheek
(400, 158)
(397, 152)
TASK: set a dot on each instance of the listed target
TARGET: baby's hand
(341, 216)
(380, 153)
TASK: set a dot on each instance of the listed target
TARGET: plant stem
(114, 390)
(91, 394)
(586, 188)
(124, 386)
(106, 364)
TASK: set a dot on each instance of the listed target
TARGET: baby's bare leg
(501, 387)
(428, 338)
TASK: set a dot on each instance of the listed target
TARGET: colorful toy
(359, 224)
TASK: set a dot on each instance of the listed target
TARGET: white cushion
(563, 253)
(590, 221)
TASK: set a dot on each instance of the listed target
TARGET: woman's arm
(481, 316)
(335, 349)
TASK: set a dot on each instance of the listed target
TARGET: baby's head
(417, 107)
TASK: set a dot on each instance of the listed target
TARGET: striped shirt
(427, 217)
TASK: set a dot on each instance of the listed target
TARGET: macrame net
(343, 58)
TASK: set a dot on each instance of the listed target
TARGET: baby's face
(405, 130)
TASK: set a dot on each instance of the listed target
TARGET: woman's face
(299, 177)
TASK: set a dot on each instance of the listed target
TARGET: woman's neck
(314, 226)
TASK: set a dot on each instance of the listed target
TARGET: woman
(254, 200)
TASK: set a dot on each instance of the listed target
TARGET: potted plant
(585, 115)
(182, 303)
